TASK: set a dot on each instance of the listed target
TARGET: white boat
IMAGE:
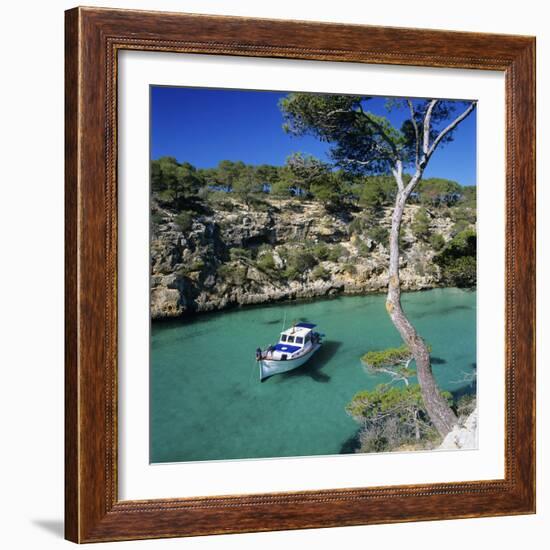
(295, 346)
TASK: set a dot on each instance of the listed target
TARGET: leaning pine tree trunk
(436, 405)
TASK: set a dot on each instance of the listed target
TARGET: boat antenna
(284, 322)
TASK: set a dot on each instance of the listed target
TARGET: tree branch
(355, 161)
(414, 180)
(381, 131)
(336, 111)
(451, 126)
(427, 121)
(417, 137)
(398, 174)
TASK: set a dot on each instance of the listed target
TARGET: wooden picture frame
(93, 511)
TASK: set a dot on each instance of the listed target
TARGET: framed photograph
(300, 275)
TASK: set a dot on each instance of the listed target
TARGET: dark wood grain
(71, 270)
(93, 38)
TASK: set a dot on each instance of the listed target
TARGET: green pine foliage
(181, 186)
(319, 272)
(299, 261)
(336, 252)
(237, 253)
(232, 273)
(457, 260)
(437, 241)
(266, 262)
(321, 251)
(421, 225)
(184, 220)
(175, 184)
(387, 357)
(391, 417)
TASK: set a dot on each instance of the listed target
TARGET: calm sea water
(207, 402)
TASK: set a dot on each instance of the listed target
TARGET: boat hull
(269, 367)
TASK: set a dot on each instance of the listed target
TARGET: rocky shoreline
(463, 436)
(237, 255)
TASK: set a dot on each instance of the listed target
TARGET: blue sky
(203, 126)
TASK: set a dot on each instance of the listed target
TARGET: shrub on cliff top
(266, 262)
(349, 268)
(156, 218)
(265, 247)
(184, 220)
(421, 225)
(363, 249)
(291, 273)
(379, 235)
(391, 417)
(457, 260)
(357, 226)
(237, 253)
(437, 241)
(302, 260)
(220, 200)
(319, 272)
(231, 273)
(194, 267)
(461, 272)
(466, 406)
(298, 261)
(387, 357)
(336, 252)
(320, 251)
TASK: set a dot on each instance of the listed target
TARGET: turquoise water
(207, 402)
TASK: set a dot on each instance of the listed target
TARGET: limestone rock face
(463, 436)
(166, 302)
(217, 262)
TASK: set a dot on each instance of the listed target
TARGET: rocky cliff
(235, 255)
(463, 436)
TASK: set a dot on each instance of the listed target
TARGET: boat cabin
(298, 335)
(295, 340)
